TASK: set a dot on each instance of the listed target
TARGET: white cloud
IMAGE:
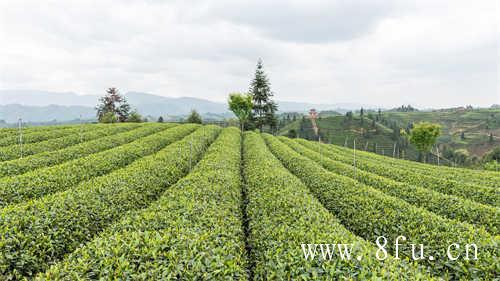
(429, 53)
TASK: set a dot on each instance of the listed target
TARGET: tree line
(254, 110)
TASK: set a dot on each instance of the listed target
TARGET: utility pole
(354, 153)
(320, 154)
(437, 150)
(81, 128)
(20, 125)
(190, 152)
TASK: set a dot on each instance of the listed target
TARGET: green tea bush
(480, 194)
(85, 134)
(193, 232)
(283, 215)
(57, 178)
(51, 158)
(442, 204)
(370, 213)
(36, 234)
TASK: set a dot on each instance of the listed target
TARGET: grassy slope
(293, 125)
(476, 124)
(336, 131)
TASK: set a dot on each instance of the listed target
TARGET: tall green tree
(423, 136)
(270, 116)
(241, 105)
(194, 117)
(263, 107)
(112, 104)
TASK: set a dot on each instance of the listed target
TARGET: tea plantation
(160, 201)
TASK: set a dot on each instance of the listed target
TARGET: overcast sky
(427, 53)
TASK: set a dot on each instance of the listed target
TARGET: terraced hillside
(369, 135)
(462, 128)
(466, 136)
(157, 201)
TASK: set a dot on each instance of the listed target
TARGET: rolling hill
(475, 124)
(376, 133)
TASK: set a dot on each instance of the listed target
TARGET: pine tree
(263, 107)
(160, 119)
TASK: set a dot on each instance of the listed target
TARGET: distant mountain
(12, 112)
(43, 98)
(158, 105)
(41, 106)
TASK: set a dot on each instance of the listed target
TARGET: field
(369, 136)
(463, 131)
(476, 124)
(160, 201)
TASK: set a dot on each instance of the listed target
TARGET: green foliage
(369, 213)
(160, 119)
(77, 135)
(441, 204)
(348, 116)
(193, 230)
(431, 179)
(424, 135)
(283, 215)
(461, 156)
(493, 165)
(405, 108)
(112, 107)
(491, 160)
(194, 117)
(50, 158)
(476, 123)
(264, 108)
(35, 136)
(135, 117)
(292, 133)
(492, 155)
(9, 132)
(108, 117)
(157, 201)
(48, 180)
(59, 223)
(241, 106)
